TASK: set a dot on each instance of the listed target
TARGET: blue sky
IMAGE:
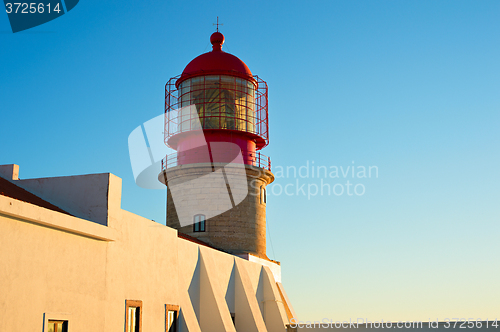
(409, 87)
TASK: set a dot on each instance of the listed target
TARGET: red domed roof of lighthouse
(216, 62)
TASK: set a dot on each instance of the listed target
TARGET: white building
(73, 260)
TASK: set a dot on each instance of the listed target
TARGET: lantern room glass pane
(221, 102)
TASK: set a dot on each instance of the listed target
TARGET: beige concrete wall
(84, 196)
(55, 264)
(47, 270)
(9, 172)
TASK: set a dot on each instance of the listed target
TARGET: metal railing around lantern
(257, 159)
(217, 102)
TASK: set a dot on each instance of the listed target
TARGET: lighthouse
(216, 119)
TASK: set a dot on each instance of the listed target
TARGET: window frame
(52, 316)
(175, 308)
(263, 195)
(133, 304)
(200, 225)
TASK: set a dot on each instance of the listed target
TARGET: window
(263, 195)
(56, 322)
(172, 313)
(57, 326)
(133, 322)
(199, 223)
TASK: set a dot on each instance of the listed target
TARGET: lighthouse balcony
(256, 159)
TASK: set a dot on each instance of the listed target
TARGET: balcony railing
(217, 105)
(256, 159)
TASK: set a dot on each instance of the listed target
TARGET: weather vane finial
(217, 24)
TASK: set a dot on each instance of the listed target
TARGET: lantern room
(216, 99)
